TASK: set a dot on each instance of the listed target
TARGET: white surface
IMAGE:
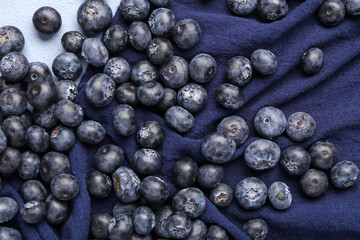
(41, 47)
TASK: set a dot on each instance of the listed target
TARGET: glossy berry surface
(126, 94)
(202, 68)
(94, 52)
(69, 113)
(15, 131)
(264, 61)
(279, 195)
(29, 165)
(262, 154)
(9, 161)
(99, 225)
(72, 41)
(147, 161)
(229, 96)
(323, 154)
(295, 160)
(256, 229)
(161, 216)
(139, 35)
(209, 175)
(67, 66)
(184, 172)
(270, 122)
(344, 174)
(134, 10)
(33, 190)
(234, 127)
(239, 71)
(13, 101)
(160, 51)
(127, 209)
(57, 211)
(98, 184)
(272, 10)
(144, 71)
(108, 158)
(126, 184)
(120, 227)
(10, 233)
(312, 61)
(65, 186)
(154, 189)
(33, 212)
(115, 38)
(143, 220)
(150, 134)
(118, 69)
(91, 132)
(52, 164)
(8, 209)
(314, 183)
(66, 89)
(218, 148)
(186, 33)
(168, 100)
(41, 94)
(123, 117)
(190, 201)
(179, 119)
(12, 40)
(161, 22)
(150, 93)
(37, 139)
(331, 12)
(221, 195)
(178, 225)
(192, 97)
(175, 73)
(45, 118)
(38, 70)
(242, 8)
(47, 20)
(352, 7)
(14, 67)
(300, 126)
(251, 193)
(216, 232)
(100, 90)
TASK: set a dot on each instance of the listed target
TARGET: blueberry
(331, 12)
(184, 172)
(161, 216)
(150, 93)
(279, 195)
(175, 73)
(98, 184)
(186, 33)
(67, 66)
(115, 38)
(3, 141)
(160, 51)
(161, 3)
(154, 189)
(272, 10)
(126, 94)
(239, 71)
(15, 131)
(234, 127)
(91, 132)
(270, 122)
(33, 212)
(108, 158)
(118, 69)
(127, 209)
(202, 68)
(242, 8)
(161, 22)
(251, 193)
(256, 229)
(221, 195)
(147, 161)
(29, 165)
(94, 52)
(99, 225)
(126, 184)
(46, 118)
(11, 40)
(216, 232)
(120, 228)
(352, 7)
(47, 20)
(72, 41)
(56, 211)
(168, 100)
(179, 119)
(190, 201)
(312, 61)
(135, 236)
(229, 96)
(323, 154)
(33, 190)
(192, 97)
(94, 16)
(300, 126)
(100, 90)
(264, 61)
(150, 134)
(143, 220)
(178, 225)
(37, 139)
(139, 35)
(69, 113)
(314, 183)
(53, 164)
(218, 147)
(27, 118)
(123, 117)
(14, 67)
(344, 174)
(8, 209)
(134, 10)
(198, 230)
(38, 70)
(65, 186)
(209, 175)
(41, 94)
(295, 160)
(66, 89)
(7, 233)
(13, 101)
(144, 71)
(9, 162)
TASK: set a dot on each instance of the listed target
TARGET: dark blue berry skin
(239, 71)
(3, 141)
(198, 230)
(9, 162)
(127, 209)
(94, 16)
(279, 195)
(161, 216)
(218, 147)
(65, 186)
(234, 127)
(41, 94)
(67, 66)
(118, 69)
(14, 67)
(186, 33)
(124, 121)
(56, 211)
(91, 132)
(47, 20)
(154, 189)
(184, 172)
(126, 184)
(29, 165)
(229, 96)
(256, 229)
(144, 71)
(192, 97)
(134, 10)
(161, 22)
(45, 118)
(190, 201)
(272, 10)
(160, 51)
(94, 52)
(202, 68)
(100, 90)
(150, 134)
(120, 228)
(179, 119)
(270, 122)
(221, 195)
(312, 61)
(33, 212)
(13, 40)
(216, 233)
(13, 101)
(98, 184)
(99, 225)
(323, 154)
(264, 61)
(5, 84)
(37, 139)
(108, 158)
(69, 113)
(126, 94)
(72, 41)
(161, 3)
(352, 7)
(331, 12)
(251, 193)
(38, 70)
(135, 236)
(242, 8)
(209, 175)
(143, 220)
(178, 225)
(168, 100)
(150, 93)
(344, 175)
(139, 35)
(175, 73)
(27, 119)
(66, 89)
(115, 38)
(8, 209)
(300, 126)
(8, 233)
(147, 161)
(295, 160)
(33, 190)
(15, 131)
(52, 164)
(314, 183)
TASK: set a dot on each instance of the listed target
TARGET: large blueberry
(184, 172)
(352, 7)
(57, 211)
(272, 10)
(192, 97)
(154, 189)
(279, 195)
(312, 61)
(150, 134)
(9, 162)
(161, 216)
(295, 160)
(108, 158)
(221, 195)
(300, 126)
(264, 61)
(344, 174)
(242, 7)
(47, 20)
(8, 209)
(52, 164)
(190, 201)
(14, 67)
(179, 119)
(216, 232)
(178, 225)
(33, 190)
(67, 66)
(150, 93)
(256, 229)
(234, 127)
(160, 51)
(126, 184)
(98, 184)
(13, 101)
(41, 94)
(65, 186)
(38, 70)
(66, 89)
(198, 230)
(72, 41)
(144, 71)
(11, 40)
(202, 68)
(262, 154)
(270, 122)
(134, 10)
(118, 69)
(251, 193)
(331, 12)
(209, 175)
(323, 154)
(8, 233)
(91, 132)
(147, 161)
(139, 35)
(314, 183)
(120, 228)
(29, 165)
(161, 22)
(37, 139)
(186, 33)
(115, 38)
(126, 94)
(123, 117)
(99, 225)
(33, 212)
(229, 96)
(94, 52)
(239, 71)
(143, 220)
(69, 113)
(168, 100)
(100, 90)
(15, 131)
(218, 147)
(175, 73)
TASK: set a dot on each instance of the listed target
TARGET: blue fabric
(332, 97)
